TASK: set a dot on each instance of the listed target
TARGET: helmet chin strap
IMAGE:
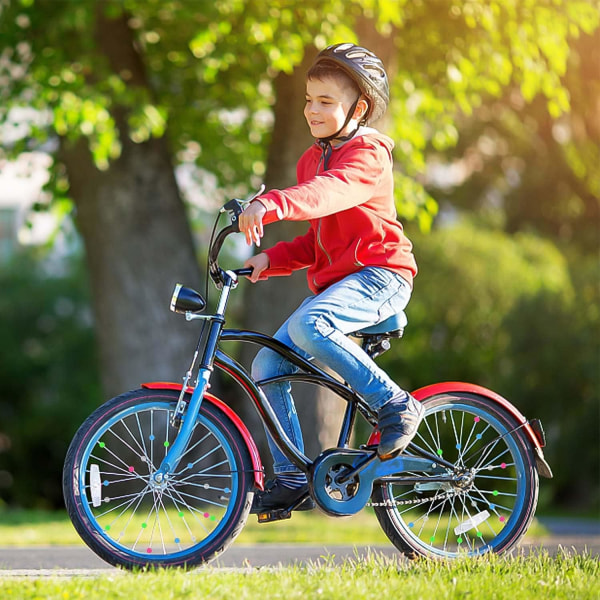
(325, 143)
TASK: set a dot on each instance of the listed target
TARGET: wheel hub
(464, 480)
(159, 481)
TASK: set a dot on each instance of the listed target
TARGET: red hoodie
(350, 208)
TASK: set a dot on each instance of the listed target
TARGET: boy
(360, 264)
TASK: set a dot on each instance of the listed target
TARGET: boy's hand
(251, 222)
(259, 263)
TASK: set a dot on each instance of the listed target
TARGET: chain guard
(344, 498)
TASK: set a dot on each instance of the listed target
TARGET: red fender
(259, 476)
(449, 387)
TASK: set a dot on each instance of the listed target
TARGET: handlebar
(244, 271)
(233, 208)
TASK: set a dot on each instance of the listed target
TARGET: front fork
(186, 414)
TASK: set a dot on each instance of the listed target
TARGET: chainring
(334, 496)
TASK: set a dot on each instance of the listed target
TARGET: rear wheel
(492, 505)
(127, 518)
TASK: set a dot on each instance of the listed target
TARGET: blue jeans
(319, 329)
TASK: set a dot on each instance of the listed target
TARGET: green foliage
(211, 65)
(510, 313)
(48, 375)
(470, 279)
(537, 171)
(456, 57)
(554, 352)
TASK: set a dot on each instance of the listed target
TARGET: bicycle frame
(365, 461)
(309, 373)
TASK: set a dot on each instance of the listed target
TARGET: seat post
(376, 345)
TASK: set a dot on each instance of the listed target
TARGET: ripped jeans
(318, 328)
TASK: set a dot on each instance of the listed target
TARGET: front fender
(534, 435)
(257, 466)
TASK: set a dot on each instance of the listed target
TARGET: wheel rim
(135, 515)
(484, 510)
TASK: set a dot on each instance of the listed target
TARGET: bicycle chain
(391, 503)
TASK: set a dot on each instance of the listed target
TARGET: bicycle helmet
(366, 70)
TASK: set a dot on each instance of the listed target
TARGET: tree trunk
(137, 241)
(271, 302)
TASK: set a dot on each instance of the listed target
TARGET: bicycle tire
(498, 502)
(129, 521)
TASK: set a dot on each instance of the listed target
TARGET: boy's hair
(325, 69)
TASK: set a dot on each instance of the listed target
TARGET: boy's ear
(362, 108)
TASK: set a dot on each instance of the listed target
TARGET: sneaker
(279, 497)
(398, 421)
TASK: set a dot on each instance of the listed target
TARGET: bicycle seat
(392, 326)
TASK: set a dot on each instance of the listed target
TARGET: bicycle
(164, 475)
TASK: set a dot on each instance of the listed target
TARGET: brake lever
(235, 207)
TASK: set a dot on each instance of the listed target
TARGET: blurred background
(124, 125)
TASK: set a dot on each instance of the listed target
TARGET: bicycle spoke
(428, 446)
(140, 448)
(191, 465)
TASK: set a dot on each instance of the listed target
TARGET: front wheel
(130, 520)
(488, 509)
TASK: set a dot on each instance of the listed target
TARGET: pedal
(274, 515)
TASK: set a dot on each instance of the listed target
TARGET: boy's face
(327, 104)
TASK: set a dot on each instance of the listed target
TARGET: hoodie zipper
(322, 249)
(319, 242)
(357, 262)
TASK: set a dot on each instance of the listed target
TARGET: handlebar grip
(244, 271)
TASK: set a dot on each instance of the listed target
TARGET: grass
(519, 578)
(39, 528)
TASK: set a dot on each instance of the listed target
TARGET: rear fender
(531, 429)
(235, 419)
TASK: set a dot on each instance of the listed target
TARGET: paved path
(80, 560)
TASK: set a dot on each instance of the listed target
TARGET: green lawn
(540, 577)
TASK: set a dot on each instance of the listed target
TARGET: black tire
(494, 507)
(120, 512)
